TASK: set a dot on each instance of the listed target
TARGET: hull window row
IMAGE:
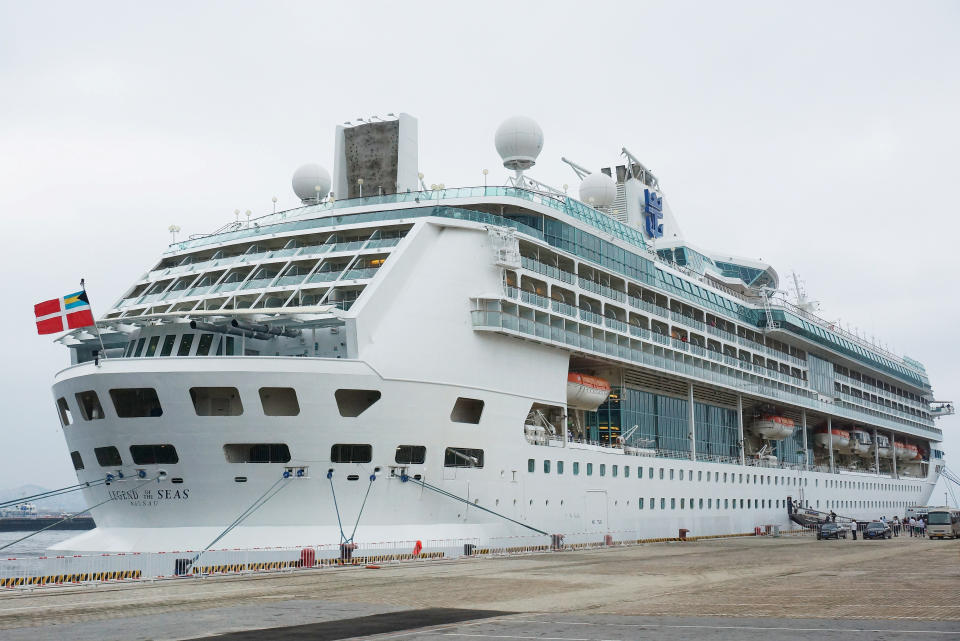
(109, 456)
(207, 401)
(257, 453)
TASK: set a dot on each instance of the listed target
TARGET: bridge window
(216, 401)
(257, 453)
(152, 346)
(167, 347)
(154, 454)
(66, 418)
(108, 456)
(136, 402)
(279, 401)
(468, 457)
(467, 410)
(186, 342)
(411, 454)
(89, 403)
(351, 453)
(204, 344)
(354, 402)
(77, 460)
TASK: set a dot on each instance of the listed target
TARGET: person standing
(853, 528)
(922, 525)
(913, 526)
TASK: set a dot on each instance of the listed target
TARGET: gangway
(808, 517)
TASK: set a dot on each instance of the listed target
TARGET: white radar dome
(311, 182)
(519, 140)
(598, 190)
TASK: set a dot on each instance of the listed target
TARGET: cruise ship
(398, 361)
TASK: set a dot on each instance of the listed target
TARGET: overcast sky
(820, 137)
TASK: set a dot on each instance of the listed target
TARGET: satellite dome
(519, 140)
(598, 190)
(311, 182)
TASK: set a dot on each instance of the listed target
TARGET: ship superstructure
(569, 365)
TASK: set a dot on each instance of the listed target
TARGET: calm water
(34, 546)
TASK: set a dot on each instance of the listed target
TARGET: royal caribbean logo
(653, 213)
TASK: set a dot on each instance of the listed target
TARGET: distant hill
(72, 502)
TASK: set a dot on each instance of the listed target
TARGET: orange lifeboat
(585, 392)
(840, 438)
(774, 428)
(906, 451)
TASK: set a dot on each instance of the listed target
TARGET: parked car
(831, 531)
(877, 530)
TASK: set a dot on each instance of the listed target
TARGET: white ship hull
(189, 515)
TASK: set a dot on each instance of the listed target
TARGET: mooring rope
(75, 514)
(404, 478)
(51, 493)
(373, 477)
(256, 505)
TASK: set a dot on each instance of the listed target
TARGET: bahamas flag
(61, 314)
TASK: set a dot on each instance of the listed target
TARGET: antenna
(581, 172)
(646, 176)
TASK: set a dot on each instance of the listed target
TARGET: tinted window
(63, 410)
(410, 454)
(354, 402)
(216, 401)
(467, 410)
(108, 456)
(257, 453)
(351, 453)
(140, 343)
(153, 454)
(463, 457)
(77, 460)
(279, 401)
(203, 346)
(136, 402)
(185, 343)
(90, 408)
(168, 342)
(152, 346)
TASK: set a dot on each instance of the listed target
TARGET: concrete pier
(743, 588)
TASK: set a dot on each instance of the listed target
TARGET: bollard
(682, 535)
(608, 539)
(346, 551)
(308, 558)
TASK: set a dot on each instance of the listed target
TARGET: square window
(108, 456)
(279, 401)
(89, 403)
(410, 454)
(466, 410)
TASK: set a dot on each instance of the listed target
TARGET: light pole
(248, 213)
(318, 189)
(360, 184)
(274, 199)
(173, 229)
(485, 172)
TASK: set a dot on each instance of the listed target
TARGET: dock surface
(743, 588)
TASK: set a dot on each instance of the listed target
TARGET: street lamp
(274, 199)
(360, 184)
(485, 172)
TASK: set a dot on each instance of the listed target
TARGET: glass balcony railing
(257, 283)
(227, 287)
(649, 307)
(361, 273)
(324, 277)
(293, 279)
(534, 299)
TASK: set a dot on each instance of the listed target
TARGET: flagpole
(103, 350)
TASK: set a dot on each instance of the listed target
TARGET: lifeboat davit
(860, 442)
(906, 451)
(774, 428)
(841, 439)
(585, 392)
